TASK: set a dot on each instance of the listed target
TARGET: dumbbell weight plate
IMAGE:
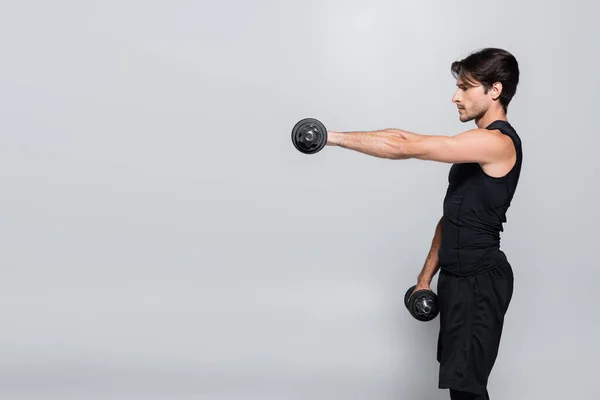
(407, 295)
(422, 305)
(309, 136)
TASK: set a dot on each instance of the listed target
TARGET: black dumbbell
(421, 304)
(309, 136)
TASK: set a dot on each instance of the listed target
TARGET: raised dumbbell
(309, 136)
(421, 304)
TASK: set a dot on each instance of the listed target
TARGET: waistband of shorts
(492, 269)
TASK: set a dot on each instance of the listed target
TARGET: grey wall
(162, 239)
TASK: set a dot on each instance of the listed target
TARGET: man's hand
(333, 138)
(421, 286)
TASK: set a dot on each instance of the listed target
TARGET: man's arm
(431, 266)
(477, 145)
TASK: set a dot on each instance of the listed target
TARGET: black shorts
(472, 310)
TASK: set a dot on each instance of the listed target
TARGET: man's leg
(458, 395)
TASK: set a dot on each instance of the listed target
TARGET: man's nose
(456, 97)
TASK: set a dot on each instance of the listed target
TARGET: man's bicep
(477, 146)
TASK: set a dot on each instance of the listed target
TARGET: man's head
(486, 80)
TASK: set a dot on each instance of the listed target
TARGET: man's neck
(489, 117)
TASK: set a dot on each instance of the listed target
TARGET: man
(475, 284)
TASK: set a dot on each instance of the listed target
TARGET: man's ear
(496, 90)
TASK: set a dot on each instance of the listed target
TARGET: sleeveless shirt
(475, 207)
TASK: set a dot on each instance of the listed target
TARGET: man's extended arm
(431, 266)
(477, 145)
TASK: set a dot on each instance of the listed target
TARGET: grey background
(162, 239)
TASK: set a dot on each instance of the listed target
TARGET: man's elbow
(410, 149)
(400, 151)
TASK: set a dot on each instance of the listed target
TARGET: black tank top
(475, 208)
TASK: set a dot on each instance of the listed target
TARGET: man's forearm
(431, 266)
(386, 143)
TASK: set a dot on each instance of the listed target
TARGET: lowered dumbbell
(421, 304)
(309, 136)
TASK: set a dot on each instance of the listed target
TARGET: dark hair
(489, 66)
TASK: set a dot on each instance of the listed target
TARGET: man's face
(471, 99)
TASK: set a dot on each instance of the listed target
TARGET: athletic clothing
(475, 284)
(472, 310)
(475, 208)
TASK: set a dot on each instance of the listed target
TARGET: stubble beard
(475, 114)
